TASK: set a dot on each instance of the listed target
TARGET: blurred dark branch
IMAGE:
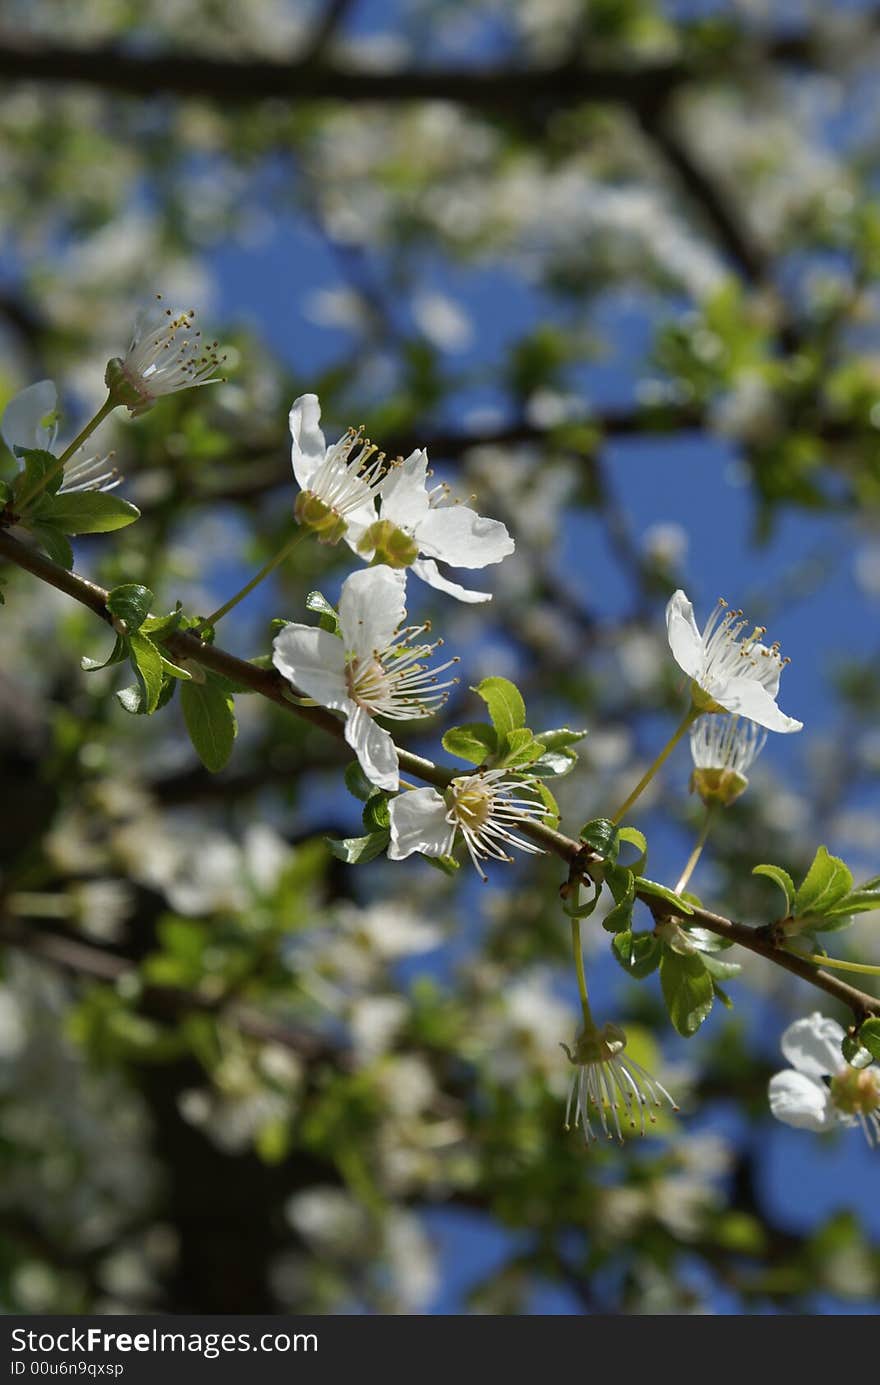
(502, 90)
(329, 23)
(163, 1003)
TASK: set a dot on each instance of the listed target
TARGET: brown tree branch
(582, 862)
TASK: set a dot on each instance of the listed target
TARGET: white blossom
(821, 1089)
(611, 1083)
(166, 354)
(724, 748)
(339, 482)
(374, 669)
(30, 421)
(484, 808)
(418, 526)
(731, 670)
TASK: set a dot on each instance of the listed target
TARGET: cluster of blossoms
(367, 664)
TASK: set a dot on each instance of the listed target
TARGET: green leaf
(316, 601)
(622, 884)
(356, 851)
(721, 971)
(147, 663)
(517, 748)
(89, 512)
(474, 742)
(640, 842)
(209, 713)
(130, 602)
(117, 655)
(782, 879)
(158, 627)
(869, 1037)
(601, 836)
(37, 463)
(572, 906)
(651, 887)
(860, 901)
(506, 707)
(638, 953)
(551, 817)
(554, 762)
(559, 739)
(357, 782)
(826, 883)
(687, 989)
(51, 539)
(376, 817)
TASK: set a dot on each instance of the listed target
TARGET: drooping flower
(166, 355)
(485, 808)
(606, 1081)
(730, 669)
(30, 420)
(821, 1089)
(419, 525)
(338, 483)
(724, 748)
(376, 668)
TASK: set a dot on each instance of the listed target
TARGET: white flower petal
(308, 446)
(800, 1101)
(769, 670)
(404, 492)
(429, 572)
(418, 823)
(748, 698)
(374, 748)
(812, 1045)
(314, 661)
(372, 606)
(456, 534)
(684, 637)
(22, 422)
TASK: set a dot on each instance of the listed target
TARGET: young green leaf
(635, 838)
(51, 539)
(37, 464)
(826, 883)
(504, 700)
(88, 512)
(147, 663)
(376, 817)
(687, 989)
(209, 713)
(316, 601)
(783, 880)
(130, 602)
(622, 884)
(357, 782)
(638, 953)
(651, 887)
(356, 851)
(601, 836)
(869, 1037)
(117, 655)
(473, 742)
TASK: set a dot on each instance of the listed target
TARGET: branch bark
(270, 685)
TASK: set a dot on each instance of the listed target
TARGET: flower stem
(687, 721)
(106, 408)
(698, 849)
(839, 965)
(249, 586)
(589, 1022)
